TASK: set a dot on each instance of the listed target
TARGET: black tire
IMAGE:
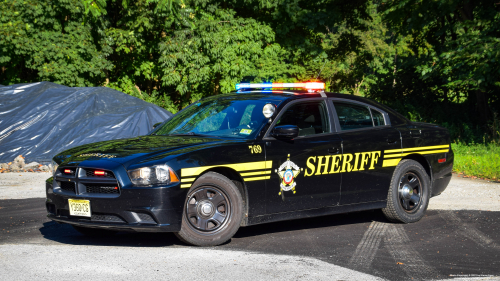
(213, 211)
(94, 232)
(408, 196)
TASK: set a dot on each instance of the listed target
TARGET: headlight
(54, 167)
(159, 174)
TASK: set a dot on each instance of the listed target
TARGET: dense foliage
(434, 61)
(479, 160)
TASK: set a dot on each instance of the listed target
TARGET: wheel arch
(236, 178)
(423, 161)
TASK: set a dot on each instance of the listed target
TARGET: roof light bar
(306, 85)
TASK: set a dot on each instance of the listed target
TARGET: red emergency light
(99, 173)
(305, 85)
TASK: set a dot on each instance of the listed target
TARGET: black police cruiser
(255, 156)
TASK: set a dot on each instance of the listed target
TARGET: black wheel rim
(208, 209)
(410, 192)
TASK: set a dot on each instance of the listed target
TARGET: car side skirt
(314, 212)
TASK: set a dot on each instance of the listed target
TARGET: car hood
(130, 151)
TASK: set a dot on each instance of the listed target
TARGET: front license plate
(79, 207)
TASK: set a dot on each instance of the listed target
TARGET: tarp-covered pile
(39, 120)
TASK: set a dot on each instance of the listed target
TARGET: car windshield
(222, 117)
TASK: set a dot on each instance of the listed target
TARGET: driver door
(302, 176)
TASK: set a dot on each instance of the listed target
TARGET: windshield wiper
(189, 134)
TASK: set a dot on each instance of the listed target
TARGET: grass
(477, 160)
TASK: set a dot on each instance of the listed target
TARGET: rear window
(353, 116)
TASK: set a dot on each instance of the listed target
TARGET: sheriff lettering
(341, 163)
(96, 155)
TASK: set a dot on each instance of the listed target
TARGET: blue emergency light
(305, 85)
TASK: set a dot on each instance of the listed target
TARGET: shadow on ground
(311, 223)
(66, 234)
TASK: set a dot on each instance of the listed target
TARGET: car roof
(284, 95)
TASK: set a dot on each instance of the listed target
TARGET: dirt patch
(23, 185)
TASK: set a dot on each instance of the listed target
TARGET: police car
(259, 155)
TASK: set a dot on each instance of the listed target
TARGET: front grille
(90, 173)
(106, 218)
(85, 182)
(67, 185)
(102, 188)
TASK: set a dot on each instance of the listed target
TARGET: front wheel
(213, 211)
(408, 196)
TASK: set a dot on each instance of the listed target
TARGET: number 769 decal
(255, 149)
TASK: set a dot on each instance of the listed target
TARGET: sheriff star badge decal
(288, 171)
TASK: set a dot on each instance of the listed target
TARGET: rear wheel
(408, 196)
(213, 211)
(94, 232)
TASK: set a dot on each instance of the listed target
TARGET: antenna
(321, 70)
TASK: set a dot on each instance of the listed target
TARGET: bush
(480, 160)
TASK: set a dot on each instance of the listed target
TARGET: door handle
(415, 132)
(333, 150)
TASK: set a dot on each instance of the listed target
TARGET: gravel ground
(461, 194)
(35, 259)
(468, 194)
(93, 263)
(23, 185)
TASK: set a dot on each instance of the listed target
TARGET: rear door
(366, 133)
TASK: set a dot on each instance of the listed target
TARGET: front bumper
(156, 209)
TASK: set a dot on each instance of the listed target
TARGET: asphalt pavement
(445, 244)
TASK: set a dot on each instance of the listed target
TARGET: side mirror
(156, 125)
(285, 132)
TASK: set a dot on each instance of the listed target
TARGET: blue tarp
(39, 120)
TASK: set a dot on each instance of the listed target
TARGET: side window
(310, 117)
(352, 116)
(378, 118)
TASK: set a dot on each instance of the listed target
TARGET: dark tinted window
(378, 118)
(352, 116)
(310, 117)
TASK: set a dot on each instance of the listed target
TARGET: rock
(32, 165)
(4, 166)
(14, 168)
(44, 168)
(18, 163)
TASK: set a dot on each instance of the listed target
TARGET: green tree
(44, 40)
(457, 49)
